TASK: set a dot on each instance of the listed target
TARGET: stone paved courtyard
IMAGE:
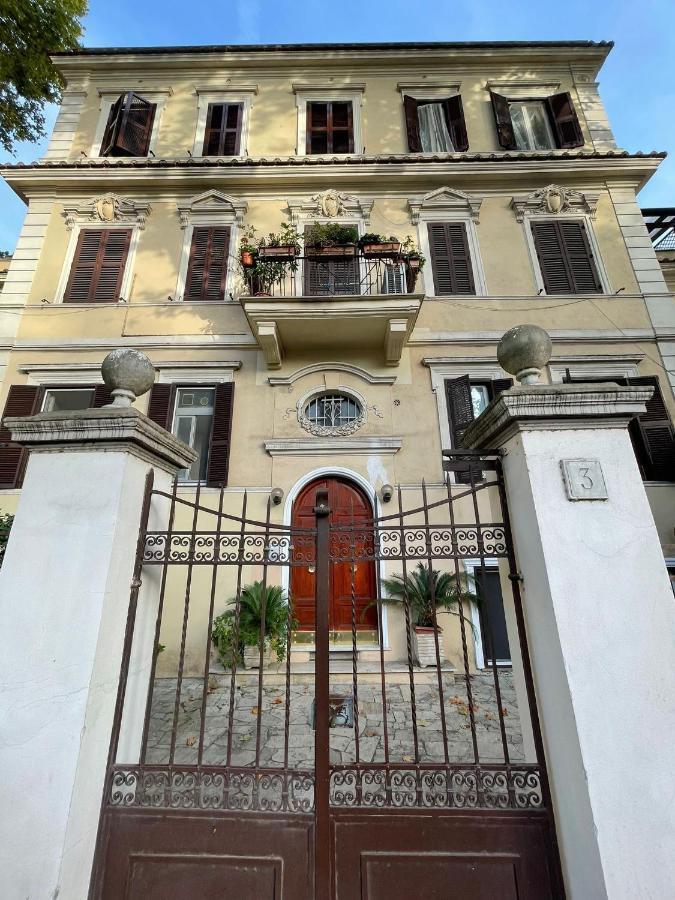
(271, 712)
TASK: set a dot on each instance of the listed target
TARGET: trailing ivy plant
(5, 525)
(257, 603)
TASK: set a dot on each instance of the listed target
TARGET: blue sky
(635, 85)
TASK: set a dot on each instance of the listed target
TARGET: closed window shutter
(221, 434)
(98, 266)
(412, 124)
(454, 117)
(450, 258)
(102, 396)
(330, 127)
(22, 400)
(129, 127)
(505, 133)
(207, 269)
(499, 385)
(565, 258)
(160, 404)
(223, 129)
(564, 120)
(394, 279)
(331, 276)
(656, 431)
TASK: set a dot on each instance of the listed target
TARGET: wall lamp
(277, 496)
(387, 492)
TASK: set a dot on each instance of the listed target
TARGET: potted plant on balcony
(282, 247)
(330, 240)
(413, 260)
(423, 590)
(374, 246)
(257, 603)
(248, 248)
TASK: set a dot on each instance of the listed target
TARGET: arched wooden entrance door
(348, 504)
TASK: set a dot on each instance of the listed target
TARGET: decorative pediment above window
(555, 201)
(210, 204)
(330, 204)
(444, 202)
(108, 208)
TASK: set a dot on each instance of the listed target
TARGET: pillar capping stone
(554, 406)
(106, 429)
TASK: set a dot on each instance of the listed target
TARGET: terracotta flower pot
(385, 249)
(339, 251)
(247, 259)
(252, 657)
(284, 253)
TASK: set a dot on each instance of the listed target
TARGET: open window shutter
(97, 270)
(564, 120)
(221, 434)
(505, 132)
(394, 279)
(112, 126)
(412, 124)
(460, 416)
(22, 400)
(499, 385)
(207, 269)
(657, 434)
(454, 117)
(160, 405)
(450, 258)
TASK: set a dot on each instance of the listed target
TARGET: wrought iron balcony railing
(332, 275)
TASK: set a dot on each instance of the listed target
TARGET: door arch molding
(367, 487)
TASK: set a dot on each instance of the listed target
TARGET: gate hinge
(135, 583)
(516, 576)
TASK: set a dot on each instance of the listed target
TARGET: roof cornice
(25, 178)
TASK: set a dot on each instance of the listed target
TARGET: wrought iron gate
(335, 769)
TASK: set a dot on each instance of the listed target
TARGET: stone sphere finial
(524, 351)
(128, 373)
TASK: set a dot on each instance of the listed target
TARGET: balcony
(328, 302)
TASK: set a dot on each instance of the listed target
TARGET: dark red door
(349, 506)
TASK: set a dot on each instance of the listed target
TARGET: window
(531, 126)
(129, 126)
(435, 126)
(565, 257)
(493, 631)
(651, 432)
(330, 127)
(222, 136)
(192, 423)
(466, 399)
(450, 258)
(26, 400)
(200, 415)
(536, 124)
(97, 269)
(328, 277)
(67, 399)
(332, 413)
(207, 267)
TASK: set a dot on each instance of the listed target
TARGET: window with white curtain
(531, 125)
(434, 133)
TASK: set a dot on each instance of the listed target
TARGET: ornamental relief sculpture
(555, 200)
(107, 208)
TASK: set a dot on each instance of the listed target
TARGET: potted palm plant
(426, 592)
(330, 240)
(258, 604)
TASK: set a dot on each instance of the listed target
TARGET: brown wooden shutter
(223, 129)
(98, 266)
(102, 396)
(207, 269)
(454, 117)
(160, 404)
(499, 385)
(450, 258)
(460, 416)
(22, 400)
(565, 257)
(129, 126)
(564, 120)
(502, 112)
(221, 435)
(656, 430)
(412, 124)
(330, 127)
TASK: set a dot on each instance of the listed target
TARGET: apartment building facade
(409, 204)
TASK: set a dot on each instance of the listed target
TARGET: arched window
(332, 412)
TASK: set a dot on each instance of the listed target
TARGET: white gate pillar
(64, 595)
(600, 619)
